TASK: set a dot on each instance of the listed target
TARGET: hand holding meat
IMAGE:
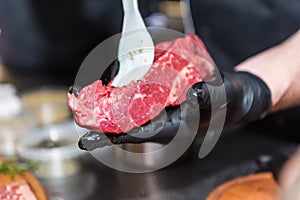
(177, 66)
(248, 96)
(248, 99)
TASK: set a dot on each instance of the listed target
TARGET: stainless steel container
(13, 120)
(54, 148)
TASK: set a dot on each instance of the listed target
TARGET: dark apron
(234, 30)
(48, 40)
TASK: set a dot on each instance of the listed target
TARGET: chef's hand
(247, 99)
(249, 95)
(279, 68)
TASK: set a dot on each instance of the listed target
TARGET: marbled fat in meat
(178, 64)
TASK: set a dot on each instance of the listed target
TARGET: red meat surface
(178, 64)
(17, 190)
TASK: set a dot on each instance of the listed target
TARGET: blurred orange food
(261, 186)
(20, 186)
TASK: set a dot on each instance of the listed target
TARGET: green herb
(12, 168)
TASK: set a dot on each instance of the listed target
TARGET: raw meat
(177, 66)
(16, 190)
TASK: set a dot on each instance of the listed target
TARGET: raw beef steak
(17, 191)
(177, 66)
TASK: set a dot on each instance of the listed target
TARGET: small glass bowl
(54, 148)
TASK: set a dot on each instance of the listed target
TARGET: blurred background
(42, 45)
(46, 42)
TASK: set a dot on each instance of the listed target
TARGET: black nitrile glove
(247, 99)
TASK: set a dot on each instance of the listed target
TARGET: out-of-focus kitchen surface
(4, 74)
(69, 173)
(192, 178)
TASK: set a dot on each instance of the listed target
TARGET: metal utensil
(136, 48)
(186, 15)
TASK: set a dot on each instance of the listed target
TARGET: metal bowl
(54, 148)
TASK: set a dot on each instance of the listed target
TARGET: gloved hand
(247, 99)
